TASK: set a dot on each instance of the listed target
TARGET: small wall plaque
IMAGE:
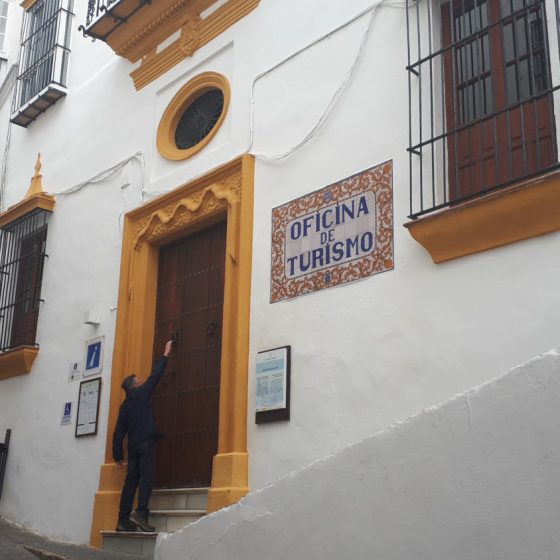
(273, 385)
(88, 407)
(93, 356)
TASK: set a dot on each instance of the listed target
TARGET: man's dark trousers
(140, 474)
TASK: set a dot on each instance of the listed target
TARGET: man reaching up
(136, 420)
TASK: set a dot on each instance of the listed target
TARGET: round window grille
(199, 118)
(193, 116)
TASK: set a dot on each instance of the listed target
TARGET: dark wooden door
(186, 402)
(498, 105)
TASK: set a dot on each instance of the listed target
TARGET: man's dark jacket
(135, 415)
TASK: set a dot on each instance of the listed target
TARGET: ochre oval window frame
(191, 91)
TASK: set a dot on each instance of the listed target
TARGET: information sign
(337, 234)
(93, 356)
(273, 385)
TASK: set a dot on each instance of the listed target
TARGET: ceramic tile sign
(338, 234)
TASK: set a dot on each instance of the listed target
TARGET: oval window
(193, 117)
(199, 119)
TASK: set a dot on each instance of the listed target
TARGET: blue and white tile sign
(93, 355)
(334, 235)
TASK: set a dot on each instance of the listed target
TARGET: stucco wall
(474, 477)
(364, 355)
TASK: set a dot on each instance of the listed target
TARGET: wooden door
(186, 401)
(498, 106)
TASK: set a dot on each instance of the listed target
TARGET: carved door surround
(226, 192)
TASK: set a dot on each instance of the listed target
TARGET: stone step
(170, 520)
(138, 543)
(179, 499)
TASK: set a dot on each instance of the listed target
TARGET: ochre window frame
(225, 193)
(193, 89)
(19, 361)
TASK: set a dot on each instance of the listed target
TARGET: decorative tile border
(338, 234)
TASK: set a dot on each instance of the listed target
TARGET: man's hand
(168, 348)
(120, 465)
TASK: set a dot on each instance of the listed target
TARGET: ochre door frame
(225, 193)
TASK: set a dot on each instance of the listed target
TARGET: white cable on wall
(339, 91)
(139, 156)
(106, 174)
(332, 103)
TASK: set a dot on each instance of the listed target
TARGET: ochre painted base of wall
(230, 481)
(520, 212)
(106, 505)
(219, 498)
(17, 362)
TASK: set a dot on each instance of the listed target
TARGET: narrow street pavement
(18, 544)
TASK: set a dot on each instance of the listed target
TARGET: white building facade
(373, 185)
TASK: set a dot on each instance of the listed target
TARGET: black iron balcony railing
(22, 256)
(45, 51)
(481, 98)
(106, 16)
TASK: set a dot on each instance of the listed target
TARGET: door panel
(498, 112)
(187, 400)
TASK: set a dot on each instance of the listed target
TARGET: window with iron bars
(4, 6)
(481, 97)
(22, 256)
(45, 51)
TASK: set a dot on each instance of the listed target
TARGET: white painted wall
(365, 354)
(474, 477)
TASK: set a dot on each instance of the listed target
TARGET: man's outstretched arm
(158, 370)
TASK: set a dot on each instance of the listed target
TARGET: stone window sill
(525, 210)
(17, 362)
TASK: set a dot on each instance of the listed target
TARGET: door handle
(211, 327)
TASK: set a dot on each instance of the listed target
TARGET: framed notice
(273, 385)
(88, 407)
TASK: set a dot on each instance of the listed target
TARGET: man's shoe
(126, 526)
(141, 522)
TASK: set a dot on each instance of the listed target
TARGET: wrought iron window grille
(199, 118)
(22, 256)
(482, 97)
(43, 68)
